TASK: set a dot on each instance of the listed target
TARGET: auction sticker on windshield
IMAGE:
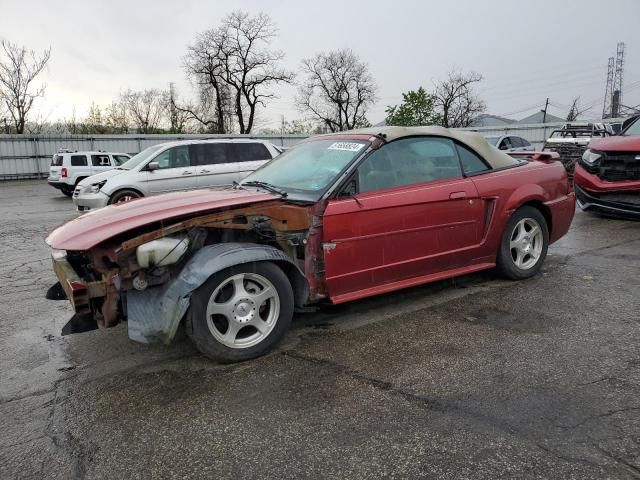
(349, 146)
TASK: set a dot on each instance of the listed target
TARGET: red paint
(95, 227)
(405, 236)
(618, 143)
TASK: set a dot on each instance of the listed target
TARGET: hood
(621, 143)
(95, 227)
(101, 176)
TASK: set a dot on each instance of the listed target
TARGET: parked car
(510, 143)
(607, 178)
(572, 139)
(336, 218)
(69, 168)
(168, 167)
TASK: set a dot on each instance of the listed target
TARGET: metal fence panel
(29, 156)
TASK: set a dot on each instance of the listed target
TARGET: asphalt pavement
(476, 377)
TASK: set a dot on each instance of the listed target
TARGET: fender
(154, 314)
(523, 194)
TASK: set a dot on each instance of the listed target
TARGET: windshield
(633, 129)
(140, 157)
(492, 140)
(308, 168)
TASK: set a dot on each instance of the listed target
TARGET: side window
(409, 161)
(100, 160)
(471, 163)
(57, 160)
(249, 152)
(505, 144)
(120, 159)
(176, 157)
(525, 142)
(209, 153)
(516, 142)
(78, 160)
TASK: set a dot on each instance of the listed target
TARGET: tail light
(63, 172)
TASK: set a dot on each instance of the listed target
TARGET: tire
(522, 252)
(123, 196)
(243, 311)
(67, 192)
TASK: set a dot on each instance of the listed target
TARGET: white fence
(29, 156)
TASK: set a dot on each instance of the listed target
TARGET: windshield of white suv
(140, 157)
(308, 168)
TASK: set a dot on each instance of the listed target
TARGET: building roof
(538, 116)
(475, 141)
(487, 120)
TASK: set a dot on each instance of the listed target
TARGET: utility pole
(544, 112)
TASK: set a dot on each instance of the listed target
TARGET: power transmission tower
(608, 90)
(616, 99)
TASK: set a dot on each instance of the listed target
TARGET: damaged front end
(146, 276)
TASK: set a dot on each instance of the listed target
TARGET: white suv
(167, 167)
(69, 168)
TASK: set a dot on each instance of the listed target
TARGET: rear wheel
(67, 191)
(524, 244)
(241, 312)
(123, 196)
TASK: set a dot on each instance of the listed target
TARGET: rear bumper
(562, 212)
(57, 184)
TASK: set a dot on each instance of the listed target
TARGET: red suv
(607, 178)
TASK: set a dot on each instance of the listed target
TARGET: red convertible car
(337, 218)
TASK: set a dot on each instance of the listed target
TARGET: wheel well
(79, 179)
(546, 212)
(298, 282)
(127, 188)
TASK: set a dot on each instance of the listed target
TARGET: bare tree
(178, 116)
(456, 101)
(146, 109)
(575, 111)
(235, 66)
(115, 117)
(337, 91)
(18, 71)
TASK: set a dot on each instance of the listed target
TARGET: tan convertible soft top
(495, 157)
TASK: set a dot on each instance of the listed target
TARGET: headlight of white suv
(590, 157)
(95, 187)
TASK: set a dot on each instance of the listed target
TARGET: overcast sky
(526, 50)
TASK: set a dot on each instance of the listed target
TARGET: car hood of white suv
(101, 176)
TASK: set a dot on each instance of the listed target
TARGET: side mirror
(151, 166)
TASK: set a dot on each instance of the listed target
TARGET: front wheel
(123, 196)
(524, 244)
(241, 312)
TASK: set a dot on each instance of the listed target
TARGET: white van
(69, 168)
(167, 167)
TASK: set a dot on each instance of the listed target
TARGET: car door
(250, 156)
(174, 171)
(412, 215)
(213, 164)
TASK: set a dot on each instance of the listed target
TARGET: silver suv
(69, 168)
(167, 167)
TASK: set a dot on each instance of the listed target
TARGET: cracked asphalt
(472, 378)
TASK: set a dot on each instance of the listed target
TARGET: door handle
(455, 195)
(187, 172)
(205, 171)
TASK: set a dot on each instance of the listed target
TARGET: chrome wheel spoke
(225, 309)
(231, 333)
(238, 288)
(263, 296)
